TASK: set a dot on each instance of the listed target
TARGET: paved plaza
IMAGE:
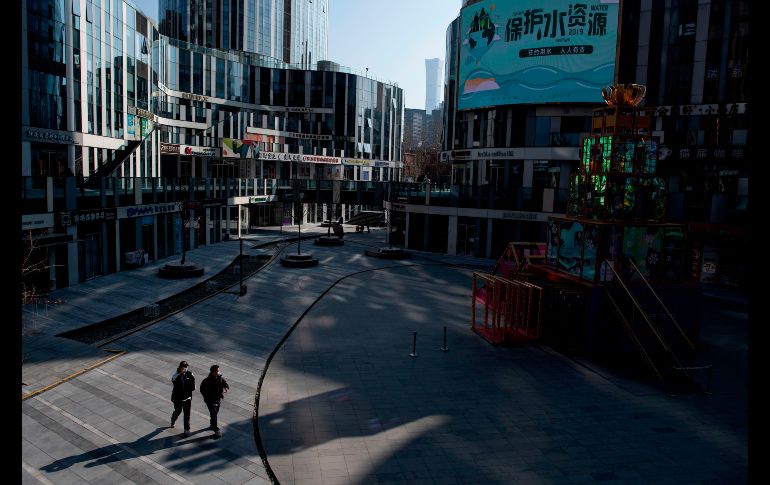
(343, 402)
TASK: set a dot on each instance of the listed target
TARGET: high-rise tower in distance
(432, 84)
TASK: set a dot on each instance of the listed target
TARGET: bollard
(444, 348)
(414, 345)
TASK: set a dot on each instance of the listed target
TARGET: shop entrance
(261, 215)
(89, 257)
(148, 239)
(466, 238)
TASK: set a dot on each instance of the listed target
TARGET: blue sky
(390, 37)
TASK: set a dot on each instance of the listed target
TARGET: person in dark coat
(184, 385)
(214, 387)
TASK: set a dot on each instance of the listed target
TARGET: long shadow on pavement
(207, 456)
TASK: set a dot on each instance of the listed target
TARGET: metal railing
(641, 312)
(663, 305)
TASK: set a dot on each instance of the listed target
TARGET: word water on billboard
(515, 51)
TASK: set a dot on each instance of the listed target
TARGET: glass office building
(294, 31)
(125, 129)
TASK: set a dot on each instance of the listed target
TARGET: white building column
(528, 173)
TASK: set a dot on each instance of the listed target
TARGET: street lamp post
(299, 260)
(242, 287)
(299, 212)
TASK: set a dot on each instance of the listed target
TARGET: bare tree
(34, 263)
(31, 266)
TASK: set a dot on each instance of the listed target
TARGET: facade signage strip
(227, 102)
(96, 215)
(198, 151)
(169, 148)
(480, 154)
(297, 157)
(36, 221)
(51, 136)
(365, 162)
(147, 210)
(287, 134)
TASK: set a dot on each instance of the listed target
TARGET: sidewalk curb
(119, 353)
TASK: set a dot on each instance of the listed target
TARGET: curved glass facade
(121, 124)
(294, 31)
(107, 71)
(325, 113)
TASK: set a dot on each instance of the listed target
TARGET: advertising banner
(536, 51)
(131, 127)
(233, 148)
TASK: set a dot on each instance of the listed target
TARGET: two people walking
(213, 387)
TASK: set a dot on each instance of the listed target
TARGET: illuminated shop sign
(536, 51)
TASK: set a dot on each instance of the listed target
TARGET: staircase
(652, 328)
(119, 156)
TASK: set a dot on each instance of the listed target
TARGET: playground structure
(518, 255)
(512, 308)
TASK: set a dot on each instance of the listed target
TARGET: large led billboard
(536, 51)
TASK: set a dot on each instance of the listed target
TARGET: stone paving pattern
(343, 402)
